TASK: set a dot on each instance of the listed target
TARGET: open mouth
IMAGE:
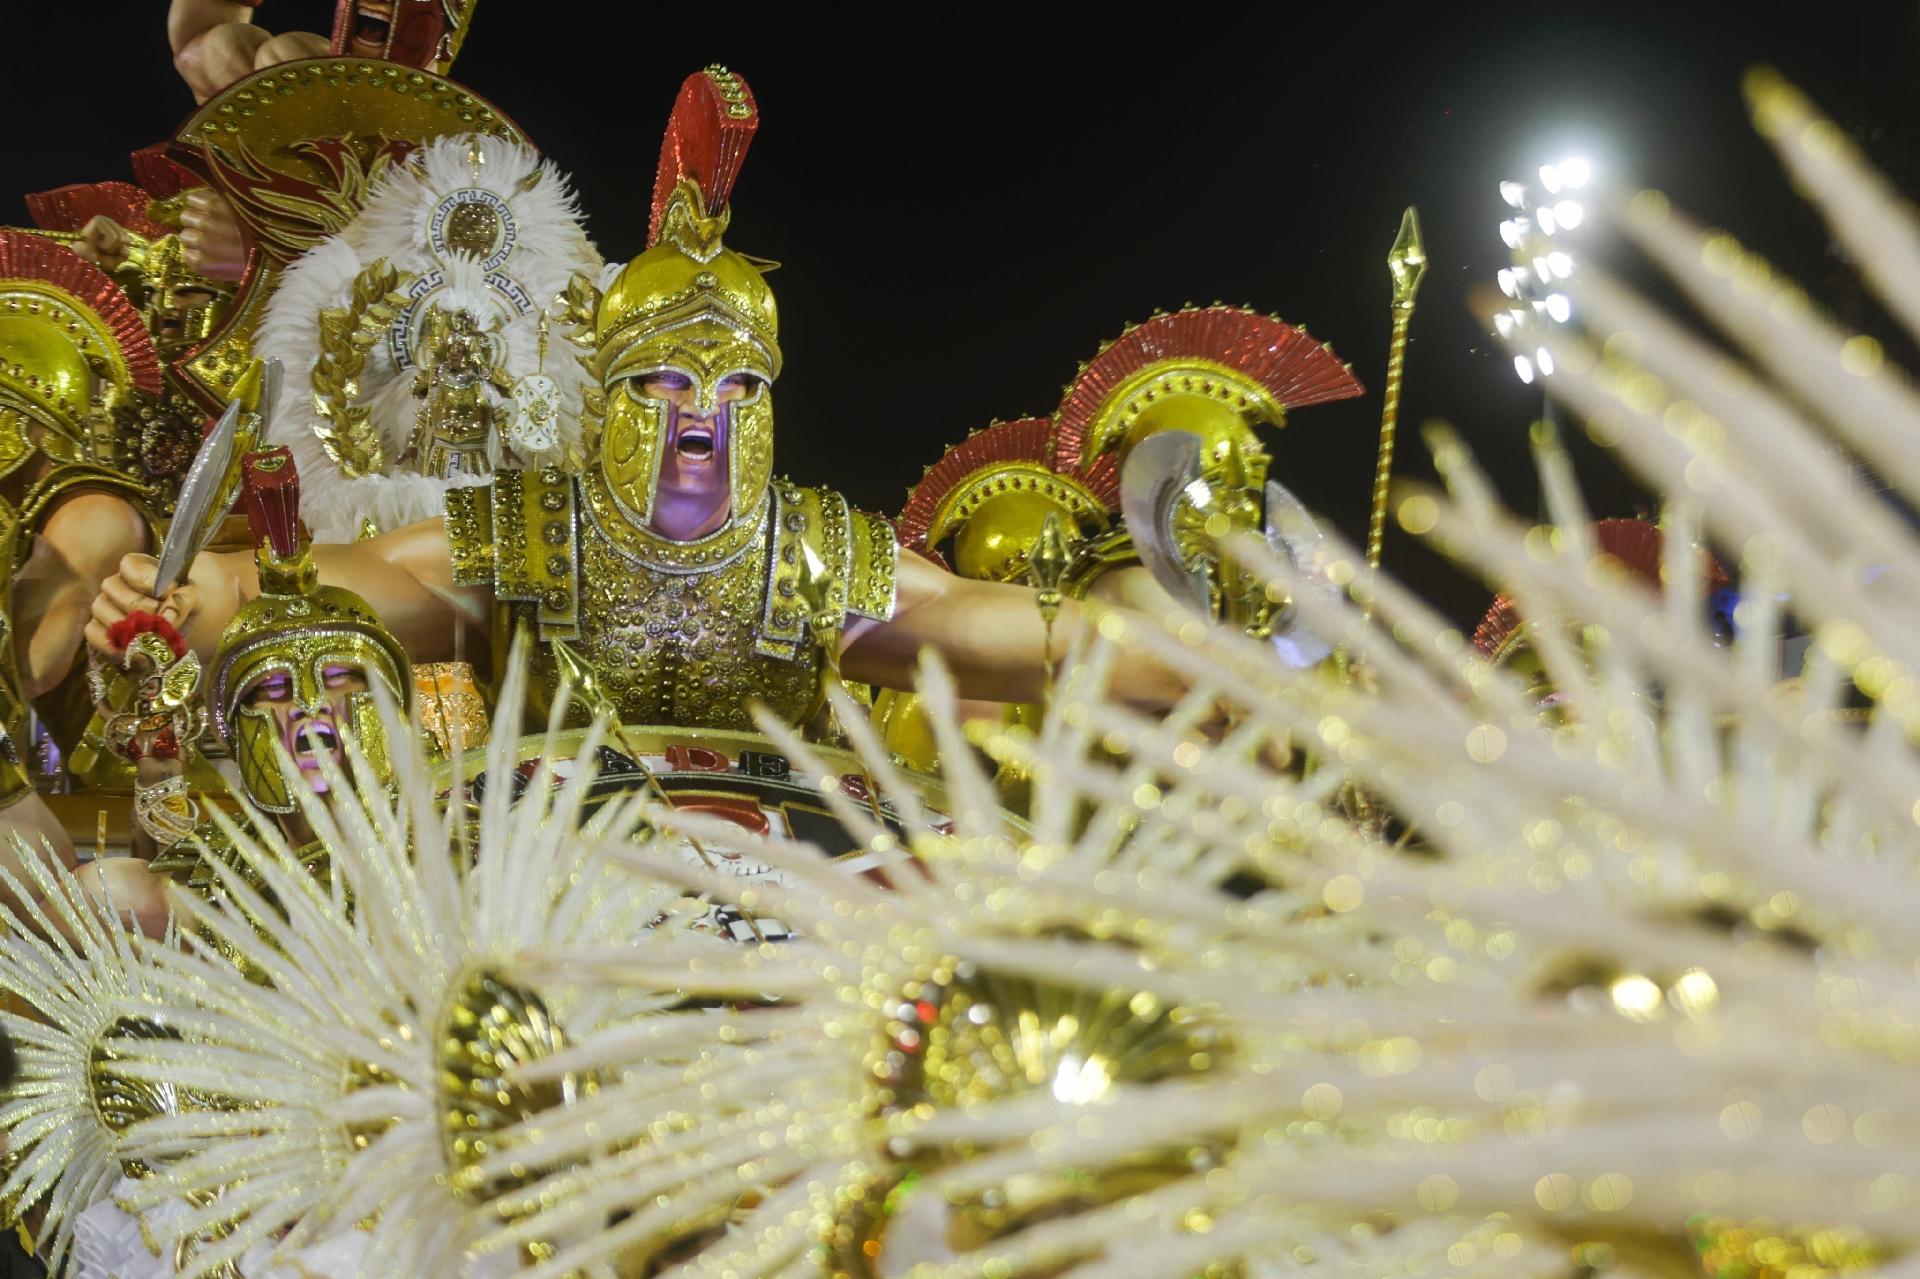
(695, 443)
(312, 739)
(371, 27)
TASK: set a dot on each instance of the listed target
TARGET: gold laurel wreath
(346, 429)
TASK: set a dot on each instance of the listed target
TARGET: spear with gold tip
(1047, 565)
(1407, 263)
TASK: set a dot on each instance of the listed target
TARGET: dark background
(966, 212)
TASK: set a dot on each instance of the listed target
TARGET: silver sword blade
(209, 489)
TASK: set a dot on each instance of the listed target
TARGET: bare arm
(989, 634)
(81, 542)
(405, 576)
(215, 43)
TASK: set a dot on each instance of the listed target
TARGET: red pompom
(122, 632)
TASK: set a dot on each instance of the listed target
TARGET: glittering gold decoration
(211, 373)
(490, 1027)
(451, 710)
(153, 698)
(678, 633)
(346, 430)
(119, 1102)
(473, 229)
(996, 516)
(166, 810)
(1407, 265)
(1730, 1249)
(968, 1037)
(1228, 501)
(458, 421)
(292, 147)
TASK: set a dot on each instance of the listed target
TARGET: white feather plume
(1641, 969)
(550, 246)
(68, 960)
(346, 1036)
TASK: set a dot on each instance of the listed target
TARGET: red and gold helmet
(992, 493)
(295, 628)
(692, 306)
(1637, 547)
(72, 349)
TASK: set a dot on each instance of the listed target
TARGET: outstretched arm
(990, 636)
(405, 576)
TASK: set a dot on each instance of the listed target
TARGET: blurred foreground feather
(1641, 975)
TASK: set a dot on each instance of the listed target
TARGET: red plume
(70, 208)
(270, 494)
(26, 256)
(160, 175)
(707, 135)
(1026, 440)
(121, 633)
(1284, 358)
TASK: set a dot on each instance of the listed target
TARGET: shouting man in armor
(690, 580)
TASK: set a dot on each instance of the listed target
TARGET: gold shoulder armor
(535, 561)
(857, 550)
(470, 534)
(874, 563)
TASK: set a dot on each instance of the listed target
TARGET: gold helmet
(72, 349)
(1215, 372)
(297, 628)
(692, 306)
(993, 493)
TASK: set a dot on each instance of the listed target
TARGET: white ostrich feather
(366, 984)
(396, 225)
(778, 1103)
(1727, 856)
(1645, 961)
(67, 957)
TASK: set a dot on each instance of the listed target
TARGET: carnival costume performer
(76, 366)
(296, 662)
(289, 683)
(685, 577)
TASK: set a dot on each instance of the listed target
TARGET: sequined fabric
(690, 638)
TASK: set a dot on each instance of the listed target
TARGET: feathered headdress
(472, 221)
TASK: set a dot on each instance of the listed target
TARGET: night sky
(965, 214)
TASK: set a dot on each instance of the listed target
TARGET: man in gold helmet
(290, 681)
(297, 663)
(74, 357)
(676, 567)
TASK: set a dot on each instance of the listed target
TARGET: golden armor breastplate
(685, 634)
